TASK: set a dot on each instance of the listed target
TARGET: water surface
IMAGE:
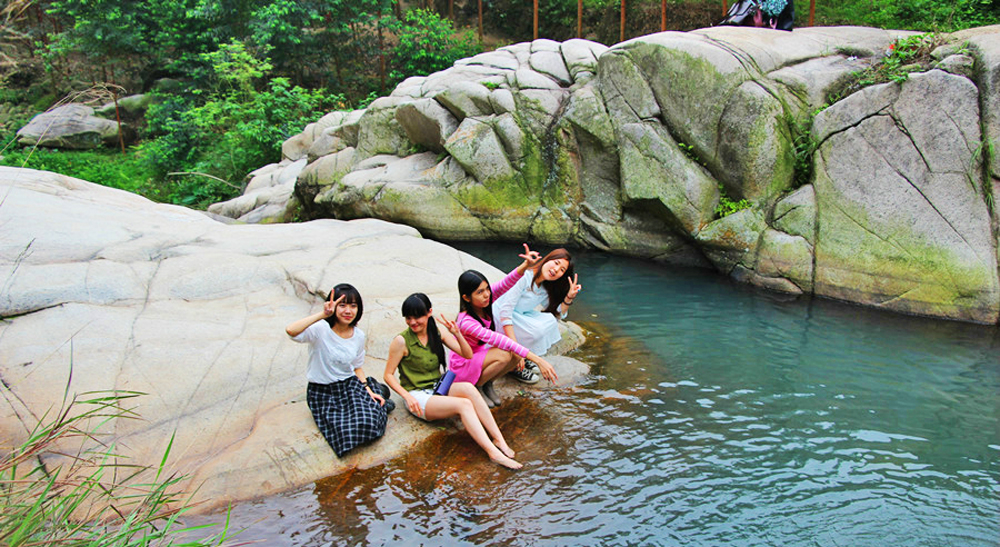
(715, 414)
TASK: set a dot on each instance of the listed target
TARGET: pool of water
(714, 414)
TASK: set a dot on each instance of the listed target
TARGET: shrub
(207, 145)
(427, 43)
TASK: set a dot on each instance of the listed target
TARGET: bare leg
(439, 407)
(468, 391)
(496, 362)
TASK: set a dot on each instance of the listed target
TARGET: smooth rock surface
(123, 293)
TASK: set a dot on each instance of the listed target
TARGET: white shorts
(422, 396)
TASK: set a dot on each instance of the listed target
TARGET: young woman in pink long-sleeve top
(493, 353)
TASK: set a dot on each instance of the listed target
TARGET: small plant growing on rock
(903, 56)
(727, 206)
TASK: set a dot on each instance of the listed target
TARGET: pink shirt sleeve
(471, 328)
(505, 284)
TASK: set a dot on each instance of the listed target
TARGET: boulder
(732, 241)
(379, 132)
(788, 258)
(270, 198)
(796, 214)
(464, 99)
(126, 294)
(71, 126)
(131, 108)
(625, 149)
(902, 217)
(426, 123)
(476, 146)
(656, 173)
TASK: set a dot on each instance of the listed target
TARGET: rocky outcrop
(104, 290)
(880, 197)
(72, 126)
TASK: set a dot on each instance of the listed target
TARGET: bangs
(415, 306)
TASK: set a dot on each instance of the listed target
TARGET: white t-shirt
(332, 358)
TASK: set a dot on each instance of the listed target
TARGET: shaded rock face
(134, 295)
(630, 149)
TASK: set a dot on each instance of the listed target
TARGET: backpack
(747, 13)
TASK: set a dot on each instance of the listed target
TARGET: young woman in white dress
(528, 312)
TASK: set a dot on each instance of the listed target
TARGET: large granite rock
(102, 290)
(881, 197)
(72, 126)
(903, 221)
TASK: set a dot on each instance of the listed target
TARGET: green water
(715, 414)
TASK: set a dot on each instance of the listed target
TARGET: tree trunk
(535, 21)
(118, 118)
(579, 18)
(621, 30)
(480, 22)
(381, 53)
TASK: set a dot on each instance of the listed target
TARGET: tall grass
(89, 496)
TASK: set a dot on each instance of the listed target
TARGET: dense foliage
(247, 74)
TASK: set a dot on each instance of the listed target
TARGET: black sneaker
(528, 375)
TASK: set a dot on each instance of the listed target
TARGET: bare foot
(505, 449)
(509, 463)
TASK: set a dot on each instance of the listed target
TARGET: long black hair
(352, 296)
(468, 282)
(418, 305)
(558, 288)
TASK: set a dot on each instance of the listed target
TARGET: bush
(208, 145)
(108, 167)
(427, 43)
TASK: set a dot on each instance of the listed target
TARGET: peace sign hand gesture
(574, 288)
(330, 306)
(448, 324)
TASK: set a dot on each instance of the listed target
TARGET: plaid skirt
(345, 414)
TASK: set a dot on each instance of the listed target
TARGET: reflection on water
(715, 414)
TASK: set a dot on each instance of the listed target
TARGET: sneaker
(528, 375)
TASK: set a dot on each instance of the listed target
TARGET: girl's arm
(397, 350)
(453, 338)
(574, 289)
(360, 373)
(530, 257)
(471, 327)
(296, 328)
(359, 361)
(505, 284)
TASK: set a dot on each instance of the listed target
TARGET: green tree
(234, 129)
(427, 43)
